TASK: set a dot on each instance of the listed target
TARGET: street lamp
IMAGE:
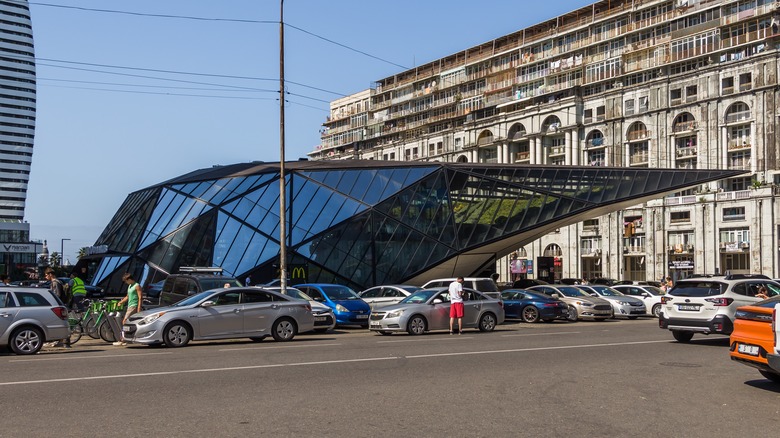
(62, 249)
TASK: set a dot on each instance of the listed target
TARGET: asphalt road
(613, 378)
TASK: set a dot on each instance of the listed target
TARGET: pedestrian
(456, 304)
(763, 292)
(134, 298)
(669, 283)
(58, 290)
(248, 281)
(77, 291)
(6, 280)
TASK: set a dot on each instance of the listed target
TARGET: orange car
(753, 337)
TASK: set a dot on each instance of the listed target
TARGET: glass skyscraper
(360, 223)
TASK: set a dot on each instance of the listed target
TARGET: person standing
(78, 292)
(456, 304)
(248, 281)
(134, 298)
(57, 289)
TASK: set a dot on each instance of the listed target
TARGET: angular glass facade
(361, 223)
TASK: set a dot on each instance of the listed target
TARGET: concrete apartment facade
(680, 84)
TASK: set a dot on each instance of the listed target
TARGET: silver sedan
(383, 296)
(429, 309)
(228, 313)
(622, 305)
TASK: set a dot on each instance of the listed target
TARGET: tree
(55, 259)
(82, 252)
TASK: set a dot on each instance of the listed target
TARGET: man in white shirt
(456, 304)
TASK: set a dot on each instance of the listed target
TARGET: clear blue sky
(103, 132)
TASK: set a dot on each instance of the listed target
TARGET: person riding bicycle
(78, 291)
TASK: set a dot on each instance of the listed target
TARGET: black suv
(192, 281)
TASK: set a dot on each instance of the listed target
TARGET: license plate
(688, 307)
(127, 328)
(750, 350)
(376, 326)
(362, 317)
(320, 318)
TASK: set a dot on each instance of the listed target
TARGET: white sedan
(651, 296)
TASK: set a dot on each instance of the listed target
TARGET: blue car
(532, 306)
(347, 306)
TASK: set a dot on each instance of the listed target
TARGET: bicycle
(77, 320)
(103, 324)
(92, 318)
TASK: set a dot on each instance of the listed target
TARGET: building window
(601, 112)
(745, 81)
(629, 105)
(680, 216)
(676, 96)
(644, 104)
(727, 85)
(734, 214)
(588, 117)
(690, 93)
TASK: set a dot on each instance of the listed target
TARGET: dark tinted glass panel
(230, 228)
(227, 190)
(347, 181)
(359, 189)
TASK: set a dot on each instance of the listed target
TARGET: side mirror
(594, 295)
(556, 296)
(207, 304)
(645, 294)
(437, 301)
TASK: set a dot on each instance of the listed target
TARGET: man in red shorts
(456, 304)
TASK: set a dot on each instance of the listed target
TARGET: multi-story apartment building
(17, 131)
(678, 84)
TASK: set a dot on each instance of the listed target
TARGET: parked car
(707, 304)
(581, 305)
(193, 281)
(571, 281)
(531, 306)
(93, 292)
(525, 283)
(346, 304)
(651, 295)
(622, 305)
(324, 319)
(240, 312)
(152, 290)
(485, 285)
(603, 281)
(381, 296)
(29, 317)
(753, 338)
(429, 309)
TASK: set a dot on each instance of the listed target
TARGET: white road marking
(85, 357)
(541, 334)
(437, 339)
(279, 346)
(324, 362)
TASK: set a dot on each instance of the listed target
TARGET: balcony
(733, 196)
(639, 158)
(522, 156)
(686, 152)
(681, 248)
(736, 145)
(685, 126)
(638, 135)
(739, 165)
(595, 143)
(557, 150)
(738, 117)
(633, 249)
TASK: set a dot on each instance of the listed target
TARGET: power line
(167, 94)
(230, 20)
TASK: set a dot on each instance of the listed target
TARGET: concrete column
(724, 150)
(538, 158)
(568, 149)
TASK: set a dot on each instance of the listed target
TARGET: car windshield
(607, 291)
(652, 290)
(298, 295)
(420, 296)
(690, 288)
(340, 293)
(572, 292)
(193, 299)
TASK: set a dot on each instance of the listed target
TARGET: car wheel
(257, 339)
(26, 340)
(417, 325)
(284, 330)
(657, 310)
(529, 314)
(681, 336)
(487, 323)
(177, 334)
(572, 315)
(775, 377)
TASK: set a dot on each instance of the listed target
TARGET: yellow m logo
(298, 272)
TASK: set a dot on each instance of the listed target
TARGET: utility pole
(282, 187)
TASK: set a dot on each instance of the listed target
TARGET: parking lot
(612, 378)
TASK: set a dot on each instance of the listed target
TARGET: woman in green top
(133, 299)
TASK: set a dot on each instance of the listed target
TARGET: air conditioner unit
(722, 245)
(745, 245)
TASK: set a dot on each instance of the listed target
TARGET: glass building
(361, 223)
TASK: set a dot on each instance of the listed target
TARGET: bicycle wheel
(105, 331)
(90, 327)
(75, 333)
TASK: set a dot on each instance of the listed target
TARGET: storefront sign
(19, 247)
(681, 264)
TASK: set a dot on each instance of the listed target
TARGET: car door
(439, 312)
(8, 311)
(472, 308)
(512, 303)
(260, 311)
(372, 296)
(225, 317)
